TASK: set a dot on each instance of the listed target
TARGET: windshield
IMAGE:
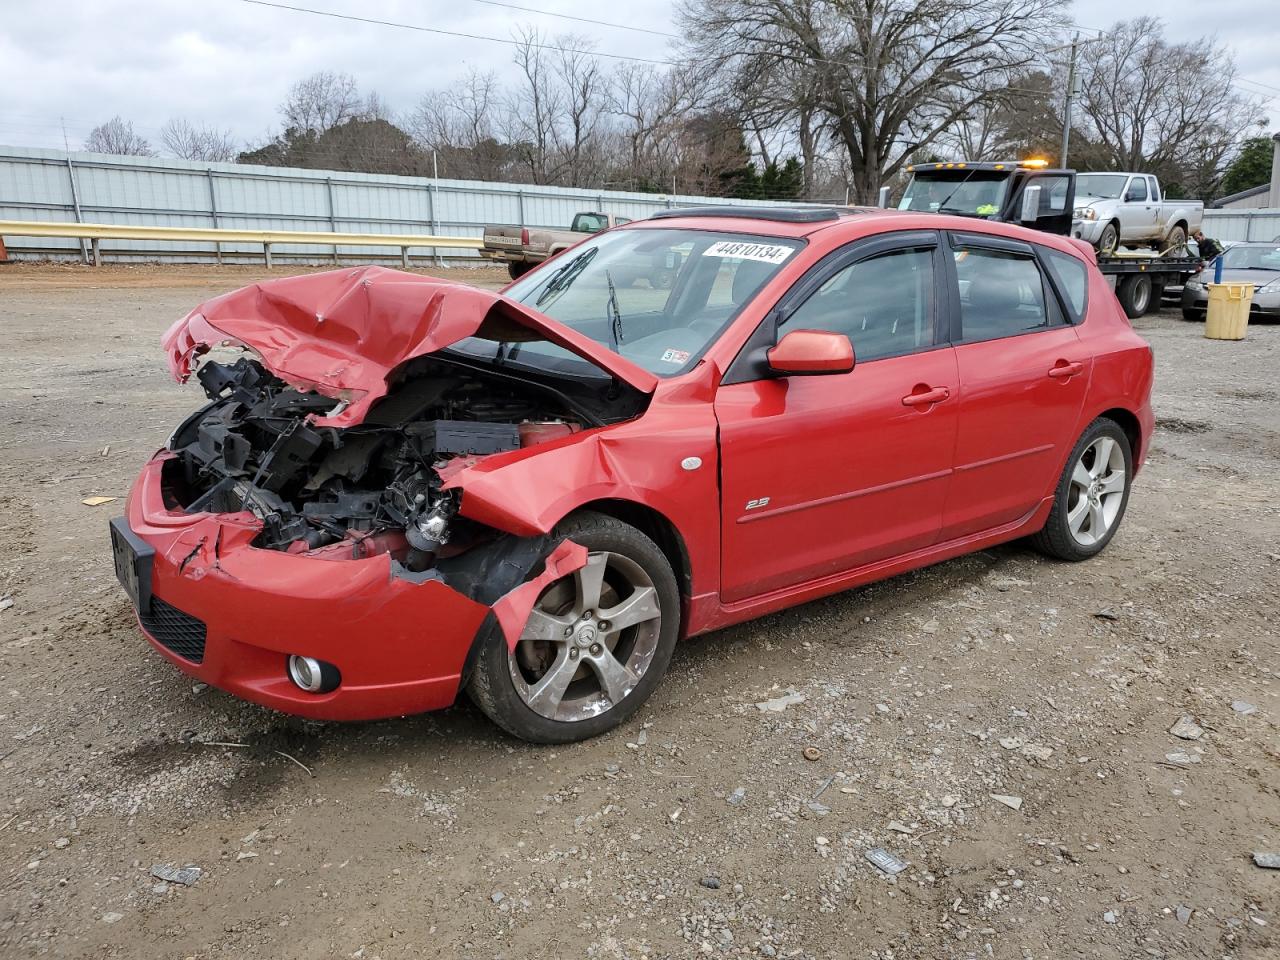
(978, 193)
(1260, 257)
(1106, 186)
(657, 297)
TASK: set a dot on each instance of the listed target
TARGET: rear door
(1023, 376)
(823, 474)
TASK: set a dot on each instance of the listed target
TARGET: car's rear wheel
(1135, 294)
(517, 269)
(1091, 496)
(596, 643)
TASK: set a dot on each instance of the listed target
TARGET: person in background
(1209, 249)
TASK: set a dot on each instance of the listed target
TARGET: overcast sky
(229, 63)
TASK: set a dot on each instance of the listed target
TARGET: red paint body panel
(342, 333)
(860, 485)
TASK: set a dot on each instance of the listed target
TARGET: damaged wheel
(595, 646)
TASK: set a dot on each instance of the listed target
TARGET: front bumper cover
(399, 643)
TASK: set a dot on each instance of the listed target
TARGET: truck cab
(994, 191)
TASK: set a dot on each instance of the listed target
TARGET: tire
(1109, 240)
(505, 684)
(1135, 294)
(1070, 535)
(661, 278)
(1192, 314)
(1177, 239)
(517, 269)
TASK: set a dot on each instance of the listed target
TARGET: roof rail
(779, 214)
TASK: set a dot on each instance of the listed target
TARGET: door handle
(926, 397)
(1064, 369)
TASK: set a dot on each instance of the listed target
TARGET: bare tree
(322, 101)
(117, 136)
(187, 141)
(1167, 108)
(534, 108)
(459, 123)
(889, 76)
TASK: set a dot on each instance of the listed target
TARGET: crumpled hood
(341, 333)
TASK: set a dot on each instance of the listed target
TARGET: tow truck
(1031, 193)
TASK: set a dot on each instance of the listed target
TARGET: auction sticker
(676, 356)
(742, 250)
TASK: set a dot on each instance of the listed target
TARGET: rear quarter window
(1071, 277)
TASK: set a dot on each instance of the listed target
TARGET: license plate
(132, 556)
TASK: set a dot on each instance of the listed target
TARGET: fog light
(312, 675)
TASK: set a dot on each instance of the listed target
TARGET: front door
(823, 474)
(1023, 373)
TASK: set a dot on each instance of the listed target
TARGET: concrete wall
(38, 184)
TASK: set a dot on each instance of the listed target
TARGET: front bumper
(1265, 304)
(1090, 231)
(399, 645)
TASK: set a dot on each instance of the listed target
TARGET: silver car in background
(1257, 263)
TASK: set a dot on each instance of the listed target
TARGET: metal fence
(1257, 224)
(52, 185)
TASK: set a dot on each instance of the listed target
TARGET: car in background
(1115, 210)
(523, 248)
(1254, 262)
(403, 487)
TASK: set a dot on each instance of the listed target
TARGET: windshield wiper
(564, 277)
(947, 198)
(615, 315)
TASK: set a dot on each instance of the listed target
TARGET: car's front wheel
(596, 643)
(1091, 495)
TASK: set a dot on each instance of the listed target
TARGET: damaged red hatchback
(402, 486)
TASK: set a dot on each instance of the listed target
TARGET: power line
(452, 33)
(565, 16)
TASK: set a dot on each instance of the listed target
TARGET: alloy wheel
(1096, 492)
(588, 640)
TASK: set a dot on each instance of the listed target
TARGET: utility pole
(1073, 91)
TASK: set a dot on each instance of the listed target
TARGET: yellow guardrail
(96, 232)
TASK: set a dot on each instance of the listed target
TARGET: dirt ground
(699, 828)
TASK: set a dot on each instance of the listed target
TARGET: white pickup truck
(1126, 210)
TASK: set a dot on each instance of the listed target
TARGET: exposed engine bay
(375, 487)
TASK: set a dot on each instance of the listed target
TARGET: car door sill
(779, 599)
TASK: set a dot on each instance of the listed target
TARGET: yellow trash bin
(1228, 315)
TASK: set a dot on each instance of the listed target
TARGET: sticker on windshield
(676, 356)
(764, 252)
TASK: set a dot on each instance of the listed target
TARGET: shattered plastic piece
(1244, 707)
(778, 704)
(1183, 914)
(735, 798)
(1110, 916)
(1268, 861)
(512, 610)
(98, 501)
(898, 827)
(885, 862)
(184, 875)
(1013, 803)
(1186, 728)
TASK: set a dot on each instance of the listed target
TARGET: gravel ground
(701, 828)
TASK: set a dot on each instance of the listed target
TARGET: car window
(1053, 194)
(884, 304)
(1001, 294)
(589, 223)
(1073, 279)
(1137, 191)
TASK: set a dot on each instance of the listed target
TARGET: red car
(402, 486)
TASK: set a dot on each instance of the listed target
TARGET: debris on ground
(1110, 916)
(1244, 707)
(1183, 914)
(778, 704)
(812, 753)
(1013, 803)
(885, 862)
(1182, 757)
(1106, 613)
(1270, 861)
(184, 875)
(6, 603)
(736, 797)
(1186, 728)
(98, 501)
(711, 883)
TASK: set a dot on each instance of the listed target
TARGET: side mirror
(1030, 205)
(811, 353)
